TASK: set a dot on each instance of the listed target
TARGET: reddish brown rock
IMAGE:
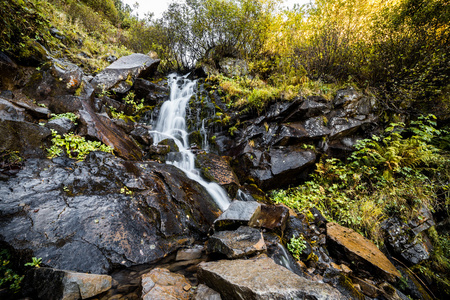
(353, 247)
(217, 168)
(273, 217)
(106, 131)
(163, 284)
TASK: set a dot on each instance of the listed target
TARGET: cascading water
(171, 124)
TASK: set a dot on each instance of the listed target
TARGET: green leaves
(74, 146)
(296, 246)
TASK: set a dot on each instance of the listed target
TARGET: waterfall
(171, 124)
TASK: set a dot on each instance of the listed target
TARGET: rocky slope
(110, 212)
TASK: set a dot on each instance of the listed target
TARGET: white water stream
(171, 124)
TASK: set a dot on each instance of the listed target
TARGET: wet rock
(61, 125)
(7, 67)
(102, 212)
(27, 138)
(294, 133)
(203, 292)
(273, 217)
(422, 221)
(119, 76)
(282, 110)
(141, 134)
(262, 279)
(162, 284)
(312, 106)
(405, 243)
(345, 97)
(104, 130)
(351, 246)
(287, 163)
(244, 241)
(151, 92)
(190, 253)
(52, 284)
(217, 168)
(32, 109)
(10, 111)
(238, 213)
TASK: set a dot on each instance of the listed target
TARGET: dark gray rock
(345, 97)
(238, 213)
(61, 125)
(152, 93)
(244, 241)
(262, 279)
(141, 134)
(410, 246)
(289, 161)
(103, 212)
(120, 75)
(52, 284)
(10, 111)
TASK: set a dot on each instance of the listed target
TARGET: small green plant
(71, 116)
(35, 262)
(7, 275)
(126, 191)
(296, 246)
(75, 146)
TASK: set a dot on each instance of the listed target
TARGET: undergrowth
(390, 175)
(74, 146)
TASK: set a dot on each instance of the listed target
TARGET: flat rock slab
(234, 244)
(238, 213)
(261, 279)
(273, 217)
(354, 247)
(203, 292)
(117, 76)
(52, 284)
(161, 284)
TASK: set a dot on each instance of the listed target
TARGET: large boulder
(120, 75)
(51, 284)
(261, 279)
(101, 213)
(362, 253)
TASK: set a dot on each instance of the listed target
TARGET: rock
(119, 76)
(61, 125)
(141, 133)
(11, 112)
(238, 213)
(217, 168)
(32, 109)
(233, 67)
(203, 292)
(103, 212)
(104, 130)
(405, 243)
(244, 241)
(273, 217)
(353, 247)
(189, 253)
(312, 106)
(294, 133)
(262, 279)
(49, 284)
(345, 97)
(288, 163)
(7, 67)
(27, 138)
(161, 284)
(151, 92)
